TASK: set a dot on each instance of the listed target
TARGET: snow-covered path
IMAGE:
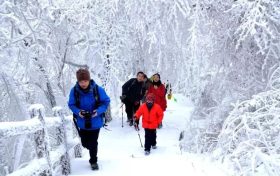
(120, 152)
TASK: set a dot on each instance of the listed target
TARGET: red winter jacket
(160, 95)
(151, 119)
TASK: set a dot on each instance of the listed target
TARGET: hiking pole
(137, 128)
(140, 138)
(122, 114)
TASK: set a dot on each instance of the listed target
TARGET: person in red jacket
(158, 89)
(152, 115)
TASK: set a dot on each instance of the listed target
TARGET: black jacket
(133, 90)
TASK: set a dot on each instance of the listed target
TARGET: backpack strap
(77, 97)
(96, 95)
(98, 102)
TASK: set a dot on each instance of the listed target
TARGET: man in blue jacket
(88, 103)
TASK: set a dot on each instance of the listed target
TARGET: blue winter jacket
(87, 103)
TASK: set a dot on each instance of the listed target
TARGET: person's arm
(126, 86)
(139, 112)
(104, 101)
(161, 91)
(72, 103)
(159, 114)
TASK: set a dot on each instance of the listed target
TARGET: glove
(135, 120)
(122, 97)
(160, 125)
(136, 124)
(136, 103)
(94, 113)
(80, 114)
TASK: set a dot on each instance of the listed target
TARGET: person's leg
(129, 111)
(93, 148)
(84, 138)
(148, 140)
(154, 138)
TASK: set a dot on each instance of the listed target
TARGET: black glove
(136, 124)
(122, 98)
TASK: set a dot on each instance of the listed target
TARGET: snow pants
(130, 109)
(150, 138)
(89, 140)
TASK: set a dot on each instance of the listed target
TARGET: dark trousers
(130, 109)
(150, 138)
(89, 140)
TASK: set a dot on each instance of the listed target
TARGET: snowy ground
(120, 152)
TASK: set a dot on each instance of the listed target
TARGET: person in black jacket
(132, 93)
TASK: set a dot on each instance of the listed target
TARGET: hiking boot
(131, 123)
(147, 152)
(154, 147)
(94, 166)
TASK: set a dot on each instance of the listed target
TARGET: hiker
(158, 89)
(132, 93)
(152, 115)
(168, 89)
(88, 102)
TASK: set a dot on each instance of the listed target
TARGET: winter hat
(150, 97)
(83, 74)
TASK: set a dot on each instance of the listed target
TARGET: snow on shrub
(250, 138)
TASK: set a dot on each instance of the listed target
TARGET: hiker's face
(156, 78)
(140, 77)
(84, 84)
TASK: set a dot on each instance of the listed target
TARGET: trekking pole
(140, 138)
(122, 114)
